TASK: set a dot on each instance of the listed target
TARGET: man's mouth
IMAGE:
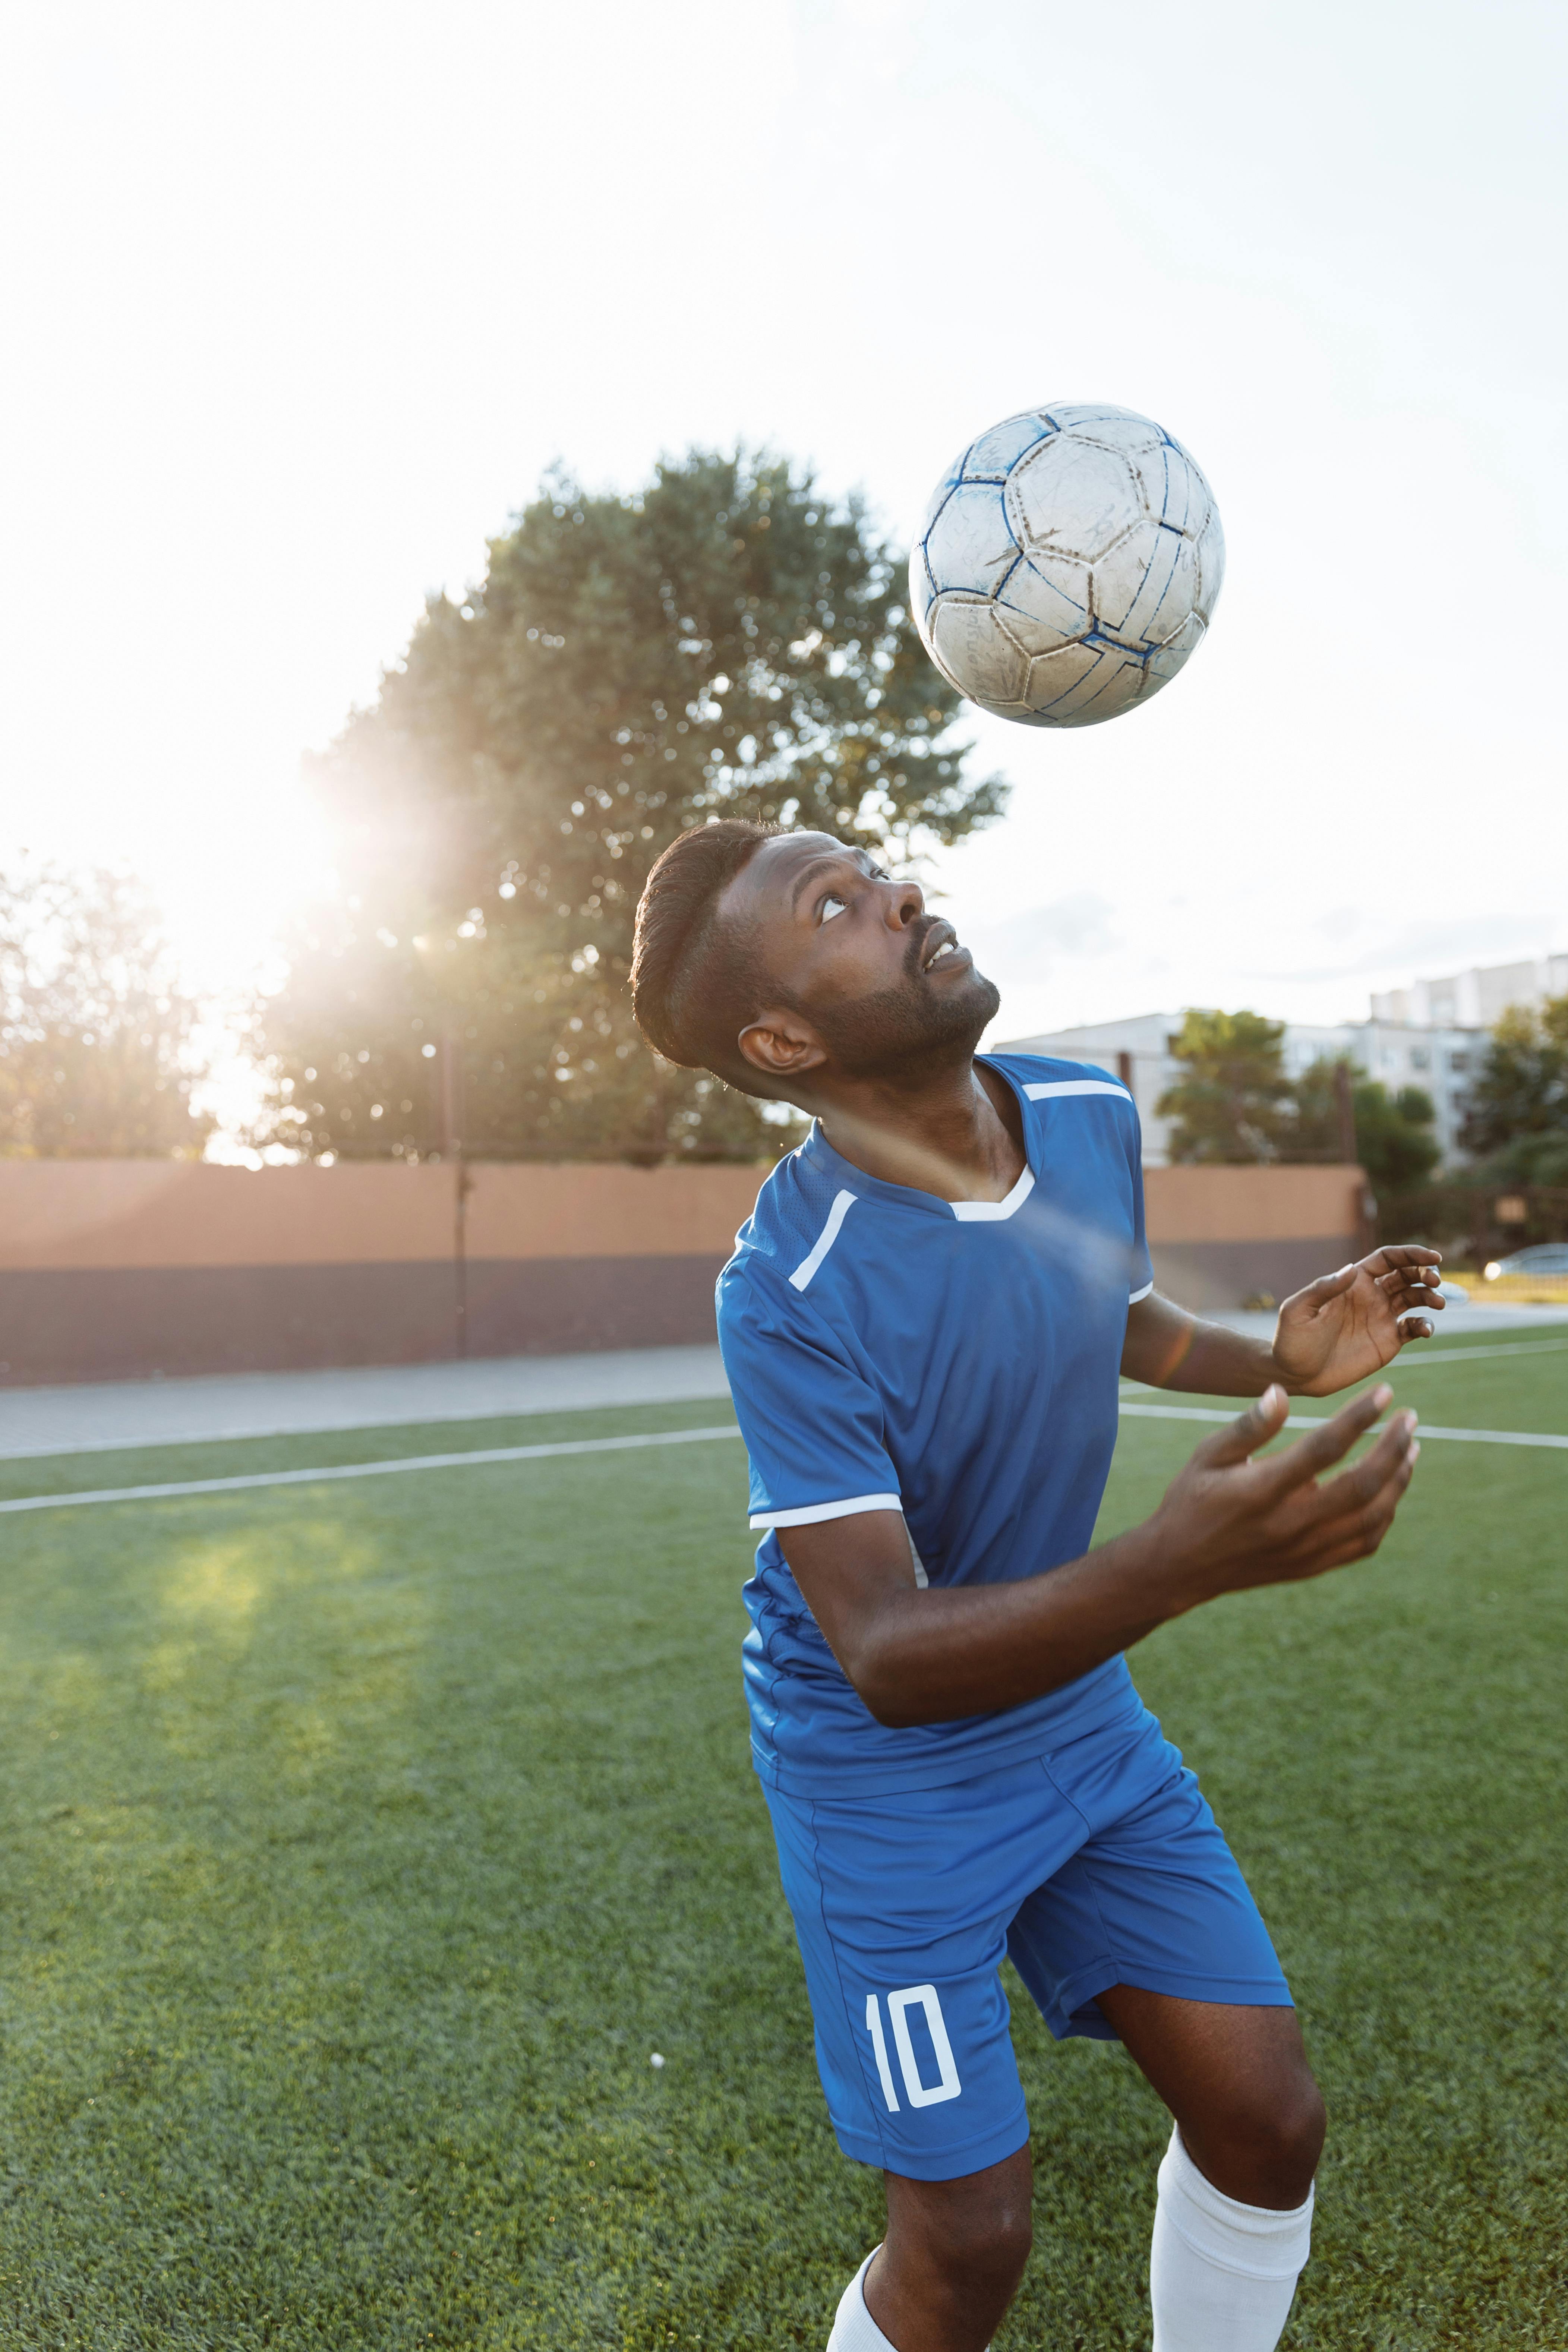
(945, 949)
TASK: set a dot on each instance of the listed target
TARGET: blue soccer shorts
(1096, 1866)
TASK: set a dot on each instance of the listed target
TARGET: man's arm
(1342, 1328)
(1226, 1523)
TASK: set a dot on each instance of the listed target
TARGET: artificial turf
(363, 1842)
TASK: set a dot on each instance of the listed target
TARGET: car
(1545, 1257)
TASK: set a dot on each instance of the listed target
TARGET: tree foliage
(1232, 1103)
(1235, 1104)
(1393, 1133)
(728, 641)
(95, 1032)
(1517, 1122)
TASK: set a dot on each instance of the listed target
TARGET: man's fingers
(1358, 1537)
(1416, 1283)
(1361, 1484)
(1416, 1326)
(1250, 1430)
(1401, 1253)
(1317, 1293)
(1331, 1442)
(1361, 1519)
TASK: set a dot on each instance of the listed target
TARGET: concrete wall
(1220, 1235)
(118, 1269)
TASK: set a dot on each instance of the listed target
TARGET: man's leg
(949, 2267)
(1232, 2229)
(1250, 2126)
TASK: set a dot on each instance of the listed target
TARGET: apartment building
(1476, 999)
(1431, 1035)
(1439, 1060)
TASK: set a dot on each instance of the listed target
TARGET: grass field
(363, 1841)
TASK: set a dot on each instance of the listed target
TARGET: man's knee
(994, 2247)
(974, 2232)
(1267, 2141)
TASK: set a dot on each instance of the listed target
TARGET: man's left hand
(1344, 1326)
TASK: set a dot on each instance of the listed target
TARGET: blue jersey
(953, 1361)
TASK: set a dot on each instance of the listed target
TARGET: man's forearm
(932, 1655)
(1173, 1349)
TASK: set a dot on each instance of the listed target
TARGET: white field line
(159, 1440)
(622, 1444)
(1415, 1359)
(368, 1469)
(1317, 1420)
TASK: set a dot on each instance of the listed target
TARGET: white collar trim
(991, 1212)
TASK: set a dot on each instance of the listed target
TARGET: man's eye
(831, 907)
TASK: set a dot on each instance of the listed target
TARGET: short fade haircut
(696, 980)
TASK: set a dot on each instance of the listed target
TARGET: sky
(303, 301)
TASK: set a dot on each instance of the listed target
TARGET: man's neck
(957, 1132)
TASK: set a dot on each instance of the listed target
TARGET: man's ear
(782, 1045)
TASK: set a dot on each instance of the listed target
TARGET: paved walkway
(98, 1419)
(383, 1396)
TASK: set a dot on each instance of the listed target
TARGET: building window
(1459, 1060)
(1420, 1059)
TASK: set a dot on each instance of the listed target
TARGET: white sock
(1221, 2275)
(853, 2329)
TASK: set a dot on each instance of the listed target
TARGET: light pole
(452, 1144)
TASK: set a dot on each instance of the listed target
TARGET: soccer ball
(1068, 565)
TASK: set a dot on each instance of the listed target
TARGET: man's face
(883, 984)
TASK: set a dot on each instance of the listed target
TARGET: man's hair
(696, 979)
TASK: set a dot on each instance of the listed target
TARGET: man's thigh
(901, 1906)
(1151, 1898)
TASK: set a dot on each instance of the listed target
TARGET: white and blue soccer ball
(1068, 565)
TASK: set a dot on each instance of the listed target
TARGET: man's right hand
(1229, 1522)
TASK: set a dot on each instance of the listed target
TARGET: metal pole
(1345, 1103)
(452, 1144)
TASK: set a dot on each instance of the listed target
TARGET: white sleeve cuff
(1133, 1296)
(809, 1514)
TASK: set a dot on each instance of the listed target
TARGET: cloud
(1030, 945)
(1423, 951)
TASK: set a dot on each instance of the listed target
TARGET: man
(923, 1325)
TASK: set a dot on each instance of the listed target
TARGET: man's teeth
(946, 947)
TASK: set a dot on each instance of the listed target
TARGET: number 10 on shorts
(920, 2095)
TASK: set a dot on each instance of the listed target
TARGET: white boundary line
(1411, 1359)
(1317, 1421)
(494, 1454)
(368, 1469)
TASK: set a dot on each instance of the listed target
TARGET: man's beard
(897, 1032)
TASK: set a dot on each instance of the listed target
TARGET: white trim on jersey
(1133, 1296)
(843, 1203)
(976, 1213)
(1076, 1087)
(809, 1514)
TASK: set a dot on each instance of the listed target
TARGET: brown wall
(118, 1269)
(91, 1213)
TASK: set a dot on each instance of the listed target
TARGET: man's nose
(905, 901)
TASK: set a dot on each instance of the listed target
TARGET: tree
(95, 1032)
(1393, 1137)
(1516, 1121)
(1231, 1105)
(727, 642)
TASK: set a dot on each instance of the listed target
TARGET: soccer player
(923, 1324)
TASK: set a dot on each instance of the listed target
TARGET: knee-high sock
(1221, 2275)
(853, 2329)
